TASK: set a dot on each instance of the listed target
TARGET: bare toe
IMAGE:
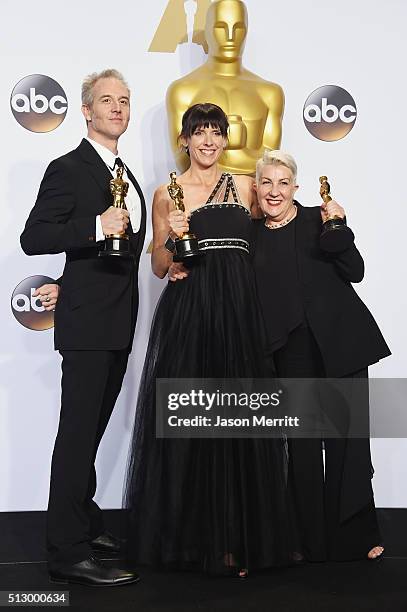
(375, 552)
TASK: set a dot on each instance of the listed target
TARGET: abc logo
(27, 309)
(38, 103)
(329, 113)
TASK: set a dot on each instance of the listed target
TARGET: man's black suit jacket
(98, 301)
(346, 332)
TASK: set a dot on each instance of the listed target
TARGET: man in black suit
(94, 321)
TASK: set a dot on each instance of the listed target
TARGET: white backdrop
(356, 45)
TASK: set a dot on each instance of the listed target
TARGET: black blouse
(275, 267)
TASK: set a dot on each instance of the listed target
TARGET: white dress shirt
(133, 203)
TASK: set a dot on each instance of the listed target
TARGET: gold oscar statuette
(336, 236)
(253, 105)
(117, 245)
(186, 246)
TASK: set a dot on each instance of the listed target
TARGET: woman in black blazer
(317, 326)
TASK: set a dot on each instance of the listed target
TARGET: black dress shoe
(107, 543)
(243, 574)
(92, 573)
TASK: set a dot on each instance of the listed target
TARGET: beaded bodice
(222, 222)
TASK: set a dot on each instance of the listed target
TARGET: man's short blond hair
(276, 158)
(90, 81)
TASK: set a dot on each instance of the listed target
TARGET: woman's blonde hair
(276, 158)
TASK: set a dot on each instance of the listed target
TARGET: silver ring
(47, 299)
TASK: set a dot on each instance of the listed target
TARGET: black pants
(91, 382)
(334, 506)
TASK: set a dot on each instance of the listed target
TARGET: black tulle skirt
(214, 504)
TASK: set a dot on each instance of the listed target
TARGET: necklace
(282, 223)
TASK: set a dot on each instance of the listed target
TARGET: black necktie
(118, 162)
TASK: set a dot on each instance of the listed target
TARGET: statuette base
(116, 245)
(336, 236)
(186, 247)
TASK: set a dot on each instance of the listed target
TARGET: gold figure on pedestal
(186, 246)
(117, 245)
(176, 192)
(336, 236)
(254, 106)
(119, 189)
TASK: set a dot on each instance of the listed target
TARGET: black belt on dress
(223, 243)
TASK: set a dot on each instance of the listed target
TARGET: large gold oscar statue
(254, 106)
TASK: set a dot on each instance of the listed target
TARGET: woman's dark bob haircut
(203, 115)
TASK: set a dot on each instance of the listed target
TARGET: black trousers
(334, 503)
(91, 382)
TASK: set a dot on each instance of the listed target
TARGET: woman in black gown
(317, 327)
(215, 504)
